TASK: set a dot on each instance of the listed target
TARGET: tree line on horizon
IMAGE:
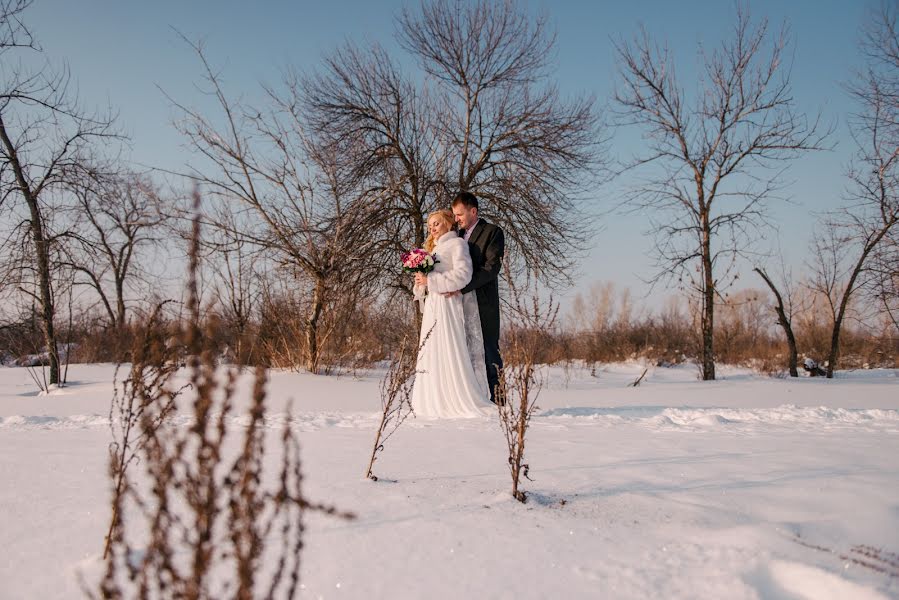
(311, 193)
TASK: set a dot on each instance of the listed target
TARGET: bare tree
(880, 86)
(856, 234)
(44, 135)
(718, 155)
(830, 271)
(295, 200)
(240, 270)
(842, 255)
(487, 119)
(120, 219)
(505, 131)
(784, 310)
(883, 283)
(382, 125)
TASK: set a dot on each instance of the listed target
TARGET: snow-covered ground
(747, 487)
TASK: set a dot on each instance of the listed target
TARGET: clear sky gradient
(123, 52)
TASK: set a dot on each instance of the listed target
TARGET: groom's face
(464, 215)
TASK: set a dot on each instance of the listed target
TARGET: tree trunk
(120, 304)
(98, 286)
(42, 255)
(793, 360)
(834, 353)
(315, 311)
(47, 307)
(785, 324)
(834, 346)
(850, 289)
(708, 303)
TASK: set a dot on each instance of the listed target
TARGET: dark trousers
(494, 362)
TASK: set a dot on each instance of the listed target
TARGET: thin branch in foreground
(519, 384)
(149, 380)
(396, 397)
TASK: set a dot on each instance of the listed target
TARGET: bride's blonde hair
(447, 216)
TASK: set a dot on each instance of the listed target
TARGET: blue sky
(123, 52)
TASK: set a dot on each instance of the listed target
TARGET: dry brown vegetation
(601, 325)
(396, 396)
(605, 325)
(519, 382)
(197, 511)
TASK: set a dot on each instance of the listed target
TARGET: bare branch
(715, 159)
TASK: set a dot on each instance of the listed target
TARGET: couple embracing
(459, 343)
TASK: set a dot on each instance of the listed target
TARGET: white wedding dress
(451, 377)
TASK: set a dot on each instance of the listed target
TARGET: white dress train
(451, 378)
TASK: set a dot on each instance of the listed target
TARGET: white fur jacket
(453, 271)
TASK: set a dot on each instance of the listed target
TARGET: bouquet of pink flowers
(418, 261)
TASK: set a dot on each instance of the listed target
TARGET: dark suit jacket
(487, 245)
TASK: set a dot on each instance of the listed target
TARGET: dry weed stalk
(149, 382)
(516, 382)
(196, 516)
(519, 383)
(396, 397)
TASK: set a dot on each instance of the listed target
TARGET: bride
(451, 379)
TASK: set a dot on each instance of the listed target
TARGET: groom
(487, 246)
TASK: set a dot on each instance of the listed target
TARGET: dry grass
(607, 328)
(195, 512)
(396, 396)
(519, 384)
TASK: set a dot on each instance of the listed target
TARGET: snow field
(747, 487)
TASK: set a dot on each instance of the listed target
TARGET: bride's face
(437, 227)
